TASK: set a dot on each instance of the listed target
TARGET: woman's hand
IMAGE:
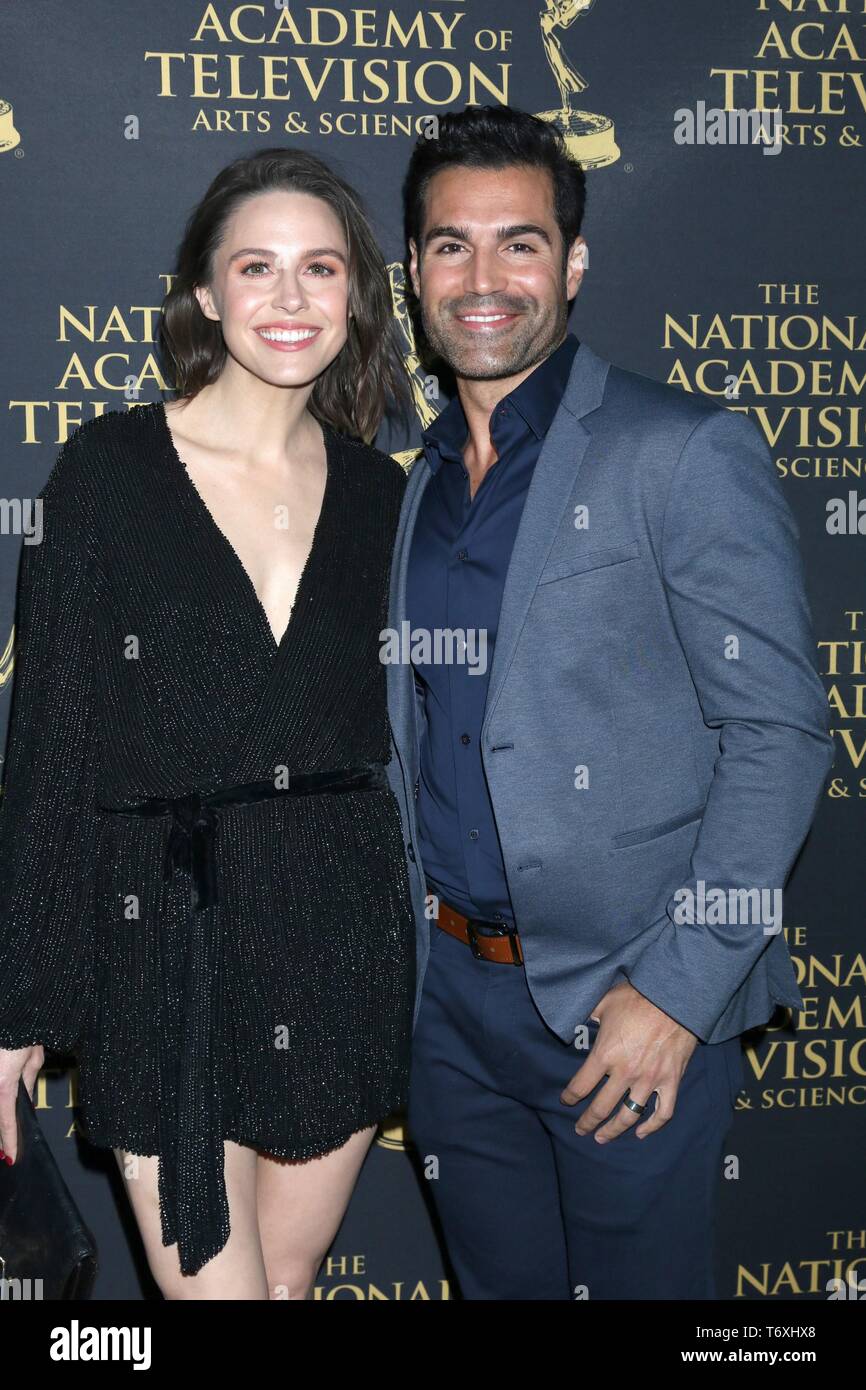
(22, 1061)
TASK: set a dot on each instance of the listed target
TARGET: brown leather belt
(496, 943)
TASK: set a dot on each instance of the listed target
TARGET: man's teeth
(483, 318)
(287, 335)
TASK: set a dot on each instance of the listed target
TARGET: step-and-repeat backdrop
(726, 201)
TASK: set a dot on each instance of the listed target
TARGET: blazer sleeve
(732, 568)
(48, 824)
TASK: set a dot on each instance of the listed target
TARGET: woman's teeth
(287, 335)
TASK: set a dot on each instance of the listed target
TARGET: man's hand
(640, 1049)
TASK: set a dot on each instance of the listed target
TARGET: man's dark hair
(496, 137)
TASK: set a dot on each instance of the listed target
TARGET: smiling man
(649, 731)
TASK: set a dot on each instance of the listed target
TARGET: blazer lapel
(553, 478)
(400, 679)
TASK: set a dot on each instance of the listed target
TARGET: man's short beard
(526, 355)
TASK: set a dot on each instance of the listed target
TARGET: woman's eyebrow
(265, 251)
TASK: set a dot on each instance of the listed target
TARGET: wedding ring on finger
(634, 1105)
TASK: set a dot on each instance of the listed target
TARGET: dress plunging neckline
(220, 536)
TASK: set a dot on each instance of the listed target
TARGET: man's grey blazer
(654, 718)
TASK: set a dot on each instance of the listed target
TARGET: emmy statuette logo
(589, 138)
(9, 136)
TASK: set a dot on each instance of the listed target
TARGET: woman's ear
(205, 301)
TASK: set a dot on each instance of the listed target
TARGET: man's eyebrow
(265, 251)
(503, 233)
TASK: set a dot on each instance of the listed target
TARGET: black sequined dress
(274, 1009)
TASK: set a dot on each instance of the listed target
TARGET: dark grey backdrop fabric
(708, 263)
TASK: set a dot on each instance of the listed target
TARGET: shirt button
(464, 738)
(463, 555)
(410, 850)
(473, 834)
(497, 917)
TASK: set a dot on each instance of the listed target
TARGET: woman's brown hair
(367, 378)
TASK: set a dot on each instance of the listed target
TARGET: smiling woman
(360, 374)
(204, 889)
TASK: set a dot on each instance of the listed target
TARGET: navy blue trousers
(530, 1209)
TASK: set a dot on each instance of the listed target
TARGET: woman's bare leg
(300, 1206)
(238, 1271)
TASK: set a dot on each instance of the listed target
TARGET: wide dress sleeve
(48, 824)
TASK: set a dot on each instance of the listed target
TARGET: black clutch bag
(42, 1235)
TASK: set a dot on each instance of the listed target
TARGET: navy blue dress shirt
(460, 555)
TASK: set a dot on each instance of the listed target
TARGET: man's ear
(578, 260)
(413, 267)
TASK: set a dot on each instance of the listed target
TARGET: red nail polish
(8, 1160)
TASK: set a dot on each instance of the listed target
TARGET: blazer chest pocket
(655, 832)
(590, 560)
